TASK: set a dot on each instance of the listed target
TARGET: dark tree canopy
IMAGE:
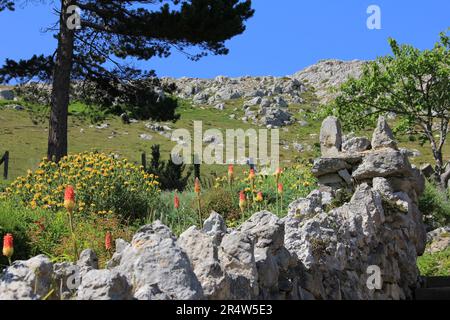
(6, 5)
(91, 59)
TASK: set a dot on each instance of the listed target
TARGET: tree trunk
(57, 132)
(439, 162)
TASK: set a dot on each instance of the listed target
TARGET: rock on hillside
(266, 99)
(329, 74)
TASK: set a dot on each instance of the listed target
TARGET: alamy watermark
(374, 281)
(73, 281)
(374, 19)
(236, 146)
(74, 20)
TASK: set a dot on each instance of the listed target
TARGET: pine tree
(111, 31)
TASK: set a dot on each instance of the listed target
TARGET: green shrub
(435, 264)
(171, 176)
(435, 206)
(21, 222)
(102, 184)
(221, 201)
(40, 231)
(90, 234)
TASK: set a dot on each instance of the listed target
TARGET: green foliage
(413, 84)
(342, 196)
(90, 234)
(297, 182)
(435, 206)
(410, 83)
(14, 220)
(222, 201)
(171, 176)
(435, 264)
(40, 231)
(102, 184)
(178, 220)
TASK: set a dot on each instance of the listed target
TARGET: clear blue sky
(283, 37)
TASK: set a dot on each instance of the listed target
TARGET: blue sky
(283, 37)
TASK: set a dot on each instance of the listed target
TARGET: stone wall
(322, 249)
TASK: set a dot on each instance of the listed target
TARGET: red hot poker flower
(176, 201)
(108, 240)
(278, 171)
(69, 193)
(280, 188)
(8, 245)
(197, 187)
(69, 198)
(242, 201)
(251, 175)
(259, 197)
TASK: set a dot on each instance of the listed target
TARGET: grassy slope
(436, 264)
(27, 140)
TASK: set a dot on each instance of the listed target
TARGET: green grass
(19, 221)
(436, 264)
(26, 138)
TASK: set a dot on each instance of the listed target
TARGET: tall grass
(435, 206)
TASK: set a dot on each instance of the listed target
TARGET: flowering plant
(103, 185)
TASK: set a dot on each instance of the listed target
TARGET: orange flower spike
(259, 197)
(69, 198)
(8, 245)
(242, 201)
(230, 171)
(176, 201)
(280, 188)
(108, 241)
(278, 173)
(197, 187)
(251, 175)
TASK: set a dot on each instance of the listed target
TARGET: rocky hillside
(327, 74)
(265, 100)
(323, 249)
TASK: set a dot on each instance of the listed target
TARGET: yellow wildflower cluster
(100, 181)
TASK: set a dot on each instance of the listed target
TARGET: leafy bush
(90, 234)
(435, 264)
(171, 176)
(222, 201)
(13, 221)
(435, 206)
(102, 184)
(40, 231)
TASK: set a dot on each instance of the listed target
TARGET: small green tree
(414, 84)
(172, 176)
